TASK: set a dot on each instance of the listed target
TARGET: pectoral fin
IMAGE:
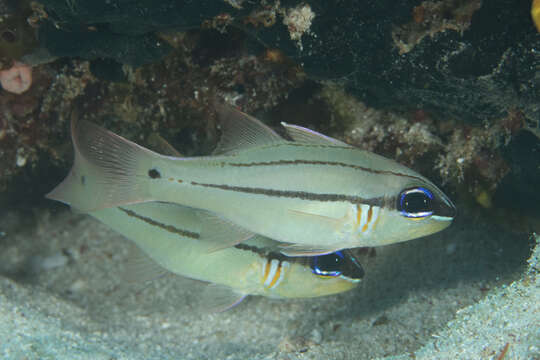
(309, 249)
(296, 250)
(307, 214)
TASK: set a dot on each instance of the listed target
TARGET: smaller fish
(169, 235)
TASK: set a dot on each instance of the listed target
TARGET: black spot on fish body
(83, 180)
(154, 174)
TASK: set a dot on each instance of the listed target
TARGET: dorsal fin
(241, 131)
(306, 136)
(162, 146)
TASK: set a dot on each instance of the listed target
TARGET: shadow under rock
(468, 251)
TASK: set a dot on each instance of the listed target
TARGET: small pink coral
(16, 79)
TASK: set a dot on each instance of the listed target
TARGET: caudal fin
(108, 170)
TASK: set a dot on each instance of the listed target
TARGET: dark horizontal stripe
(264, 252)
(169, 228)
(295, 194)
(302, 144)
(329, 163)
(330, 145)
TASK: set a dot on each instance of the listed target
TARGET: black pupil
(416, 202)
(328, 264)
(154, 174)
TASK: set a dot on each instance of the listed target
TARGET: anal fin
(219, 298)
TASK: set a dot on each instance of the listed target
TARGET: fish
(316, 194)
(168, 235)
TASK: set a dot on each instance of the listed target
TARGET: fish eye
(328, 265)
(415, 202)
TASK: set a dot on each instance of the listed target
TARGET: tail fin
(108, 170)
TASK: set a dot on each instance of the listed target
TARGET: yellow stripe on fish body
(312, 188)
(274, 271)
(367, 217)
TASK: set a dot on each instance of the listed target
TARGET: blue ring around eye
(427, 192)
(418, 214)
(319, 272)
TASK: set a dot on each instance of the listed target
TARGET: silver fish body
(169, 235)
(317, 193)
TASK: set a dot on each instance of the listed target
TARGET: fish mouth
(351, 280)
(444, 209)
(353, 270)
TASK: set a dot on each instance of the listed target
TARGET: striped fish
(169, 234)
(316, 193)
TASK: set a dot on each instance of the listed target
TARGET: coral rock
(16, 79)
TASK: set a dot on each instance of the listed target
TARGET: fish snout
(443, 208)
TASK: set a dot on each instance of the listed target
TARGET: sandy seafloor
(63, 295)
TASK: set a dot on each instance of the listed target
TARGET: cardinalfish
(316, 193)
(169, 234)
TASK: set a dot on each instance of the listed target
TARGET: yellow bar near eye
(326, 276)
(535, 13)
(420, 217)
